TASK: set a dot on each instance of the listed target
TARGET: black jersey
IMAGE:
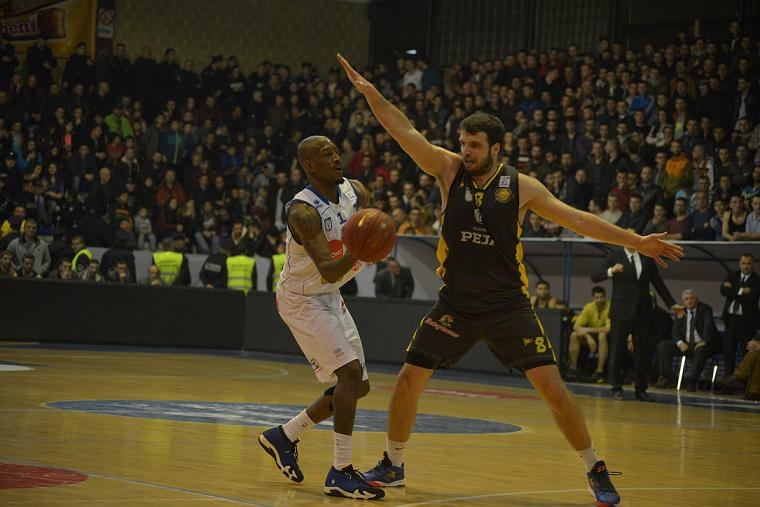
(479, 250)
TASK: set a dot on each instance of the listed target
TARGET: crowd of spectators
(652, 138)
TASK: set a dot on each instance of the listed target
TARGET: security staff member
(241, 270)
(172, 263)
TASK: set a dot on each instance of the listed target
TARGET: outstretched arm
(436, 161)
(537, 198)
(306, 225)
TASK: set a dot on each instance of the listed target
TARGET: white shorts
(324, 329)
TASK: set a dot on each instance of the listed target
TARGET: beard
(482, 168)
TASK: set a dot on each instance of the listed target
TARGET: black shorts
(511, 330)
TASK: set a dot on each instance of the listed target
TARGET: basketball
(369, 235)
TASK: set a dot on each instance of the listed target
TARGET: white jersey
(300, 274)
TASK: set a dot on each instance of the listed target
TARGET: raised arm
(437, 162)
(537, 198)
(306, 225)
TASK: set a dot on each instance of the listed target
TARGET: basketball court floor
(97, 426)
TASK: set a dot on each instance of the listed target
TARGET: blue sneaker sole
(600, 503)
(272, 451)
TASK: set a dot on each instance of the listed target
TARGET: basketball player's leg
(439, 342)
(569, 418)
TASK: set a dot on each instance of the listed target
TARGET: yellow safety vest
(168, 264)
(239, 272)
(278, 262)
(83, 252)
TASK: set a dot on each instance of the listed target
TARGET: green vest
(239, 272)
(278, 262)
(84, 252)
(168, 264)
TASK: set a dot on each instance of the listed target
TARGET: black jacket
(404, 285)
(628, 293)
(705, 325)
(748, 301)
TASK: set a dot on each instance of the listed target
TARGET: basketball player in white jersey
(309, 301)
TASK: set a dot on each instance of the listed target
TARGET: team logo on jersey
(503, 195)
(328, 223)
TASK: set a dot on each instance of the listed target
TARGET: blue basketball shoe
(283, 451)
(350, 483)
(385, 475)
(601, 487)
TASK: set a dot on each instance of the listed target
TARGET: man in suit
(740, 312)
(694, 335)
(394, 281)
(631, 313)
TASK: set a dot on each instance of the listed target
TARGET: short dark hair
(542, 282)
(486, 123)
(598, 289)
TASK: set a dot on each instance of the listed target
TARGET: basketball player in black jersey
(485, 292)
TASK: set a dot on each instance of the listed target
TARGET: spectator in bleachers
(30, 244)
(7, 269)
(92, 273)
(613, 213)
(63, 270)
(752, 223)
(635, 218)
(740, 312)
(26, 268)
(694, 335)
(677, 225)
(120, 252)
(734, 219)
(698, 226)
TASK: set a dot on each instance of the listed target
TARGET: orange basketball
(369, 235)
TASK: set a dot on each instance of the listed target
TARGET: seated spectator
(535, 227)
(543, 298)
(92, 273)
(658, 222)
(678, 224)
(698, 224)
(416, 224)
(635, 218)
(591, 328)
(613, 213)
(694, 335)
(63, 270)
(30, 244)
(120, 273)
(752, 223)
(747, 373)
(27, 268)
(734, 219)
(6, 265)
(394, 281)
(153, 278)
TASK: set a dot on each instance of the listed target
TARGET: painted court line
(138, 482)
(555, 491)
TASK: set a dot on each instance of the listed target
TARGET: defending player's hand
(362, 85)
(655, 246)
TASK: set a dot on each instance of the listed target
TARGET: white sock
(341, 451)
(589, 457)
(297, 425)
(395, 451)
